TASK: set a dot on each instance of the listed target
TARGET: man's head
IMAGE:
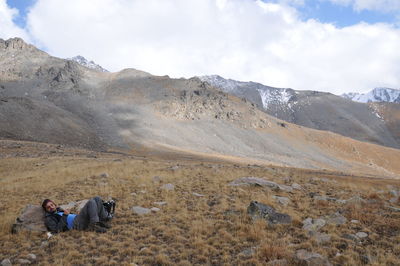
(49, 206)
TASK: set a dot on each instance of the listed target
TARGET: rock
(313, 225)
(154, 209)
(160, 203)
(394, 209)
(282, 200)
(258, 210)
(281, 262)
(248, 252)
(168, 187)
(23, 261)
(336, 218)
(324, 198)
(297, 186)
(140, 210)
(197, 194)
(75, 205)
(311, 259)
(355, 200)
(30, 219)
(361, 235)
(365, 259)
(157, 179)
(355, 221)
(6, 262)
(350, 237)
(44, 244)
(31, 257)
(104, 175)
(322, 238)
(256, 181)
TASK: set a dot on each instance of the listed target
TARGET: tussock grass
(211, 229)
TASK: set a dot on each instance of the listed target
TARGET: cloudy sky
(326, 45)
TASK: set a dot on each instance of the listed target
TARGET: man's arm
(53, 225)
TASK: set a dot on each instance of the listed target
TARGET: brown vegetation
(190, 229)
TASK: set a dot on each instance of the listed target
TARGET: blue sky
(326, 45)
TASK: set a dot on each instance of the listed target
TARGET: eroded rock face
(258, 210)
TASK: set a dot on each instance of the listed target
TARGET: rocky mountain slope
(375, 95)
(52, 100)
(318, 110)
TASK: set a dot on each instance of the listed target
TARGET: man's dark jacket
(56, 223)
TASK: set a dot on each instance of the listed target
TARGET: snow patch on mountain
(281, 96)
(86, 63)
(375, 95)
(268, 95)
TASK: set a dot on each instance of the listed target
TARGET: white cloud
(240, 39)
(8, 28)
(377, 5)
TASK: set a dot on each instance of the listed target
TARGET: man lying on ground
(92, 217)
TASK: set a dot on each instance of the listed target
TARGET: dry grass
(213, 229)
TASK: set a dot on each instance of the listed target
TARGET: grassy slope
(213, 229)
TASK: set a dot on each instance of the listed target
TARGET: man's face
(50, 206)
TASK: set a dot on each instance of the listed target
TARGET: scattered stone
(140, 210)
(157, 179)
(23, 261)
(313, 225)
(248, 252)
(104, 175)
(282, 200)
(311, 259)
(355, 221)
(6, 262)
(324, 198)
(30, 219)
(134, 194)
(168, 187)
(355, 200)
(256, 181)
(173, 168)
(394, 209)
(312, 194)
(44, 244)
(336, 218)
(197, 194)
(160, 203)
(361, 235)
(297, 186)
(322, 238)
(31, 257)
(258, 210)
(350, 237)
(154, 209)
(365, 259)
(281, 262)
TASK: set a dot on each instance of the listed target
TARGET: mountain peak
(376, 95)
(87, 63)
(15, 44)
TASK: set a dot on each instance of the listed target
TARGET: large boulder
(258, 210)
(31, 219)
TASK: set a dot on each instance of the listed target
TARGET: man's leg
(101, 212)
(90, 214)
